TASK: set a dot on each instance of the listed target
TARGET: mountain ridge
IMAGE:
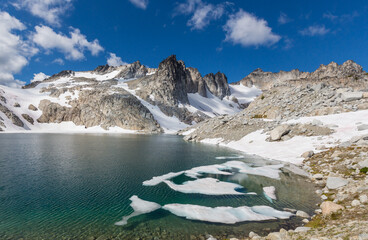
(331, 71)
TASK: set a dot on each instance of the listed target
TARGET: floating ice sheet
(209, 169)
(270, 171)
(270, 193)
(207, 186)
(223, 214)
(227, 215)
(140, 207)
(159, 179)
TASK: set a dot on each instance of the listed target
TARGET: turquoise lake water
(76, 186)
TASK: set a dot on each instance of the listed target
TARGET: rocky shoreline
(343, 187)
(317, 121)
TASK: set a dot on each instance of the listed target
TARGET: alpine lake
(77, 186)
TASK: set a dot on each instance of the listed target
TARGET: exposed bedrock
(9, 114)
(97, 108)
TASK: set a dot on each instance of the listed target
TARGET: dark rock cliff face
(173, 81)
(217, 84)
(332, 73)
(195, 83)
(169, 85)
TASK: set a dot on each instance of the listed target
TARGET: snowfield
(291, 150)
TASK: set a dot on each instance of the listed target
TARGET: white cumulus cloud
(115, 61)
(140, 3)
(72, 47)
(315, 30)
(14, 51)
(48, 10)
(247, 30)
(202, 13)
(39, 77)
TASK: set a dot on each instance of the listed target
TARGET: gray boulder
(307, 154)
(278, 132)
(335, 182)
(363, 164)
(362, 127)
(302, 214)
(302, 229)
(351, 96)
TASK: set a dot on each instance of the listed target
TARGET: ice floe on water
(226, 215)
(270, 193)
(140, 207)
(228, 168)
(271, 212)
(202, 184)
(159, 179)
(209, 169)
(270, 171)
(207, 186)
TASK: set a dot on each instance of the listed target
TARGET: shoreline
(346, 140)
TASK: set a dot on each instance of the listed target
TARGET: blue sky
(235, 37)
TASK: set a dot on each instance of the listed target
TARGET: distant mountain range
(135, 98)
(125, 98)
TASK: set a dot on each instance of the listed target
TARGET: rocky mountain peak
(137, 64)
(133, 70)
(102, 69)
(333, 70)
(258, 70)
(167, 61)
(171, 74)
(65, 73)
(351, 67)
